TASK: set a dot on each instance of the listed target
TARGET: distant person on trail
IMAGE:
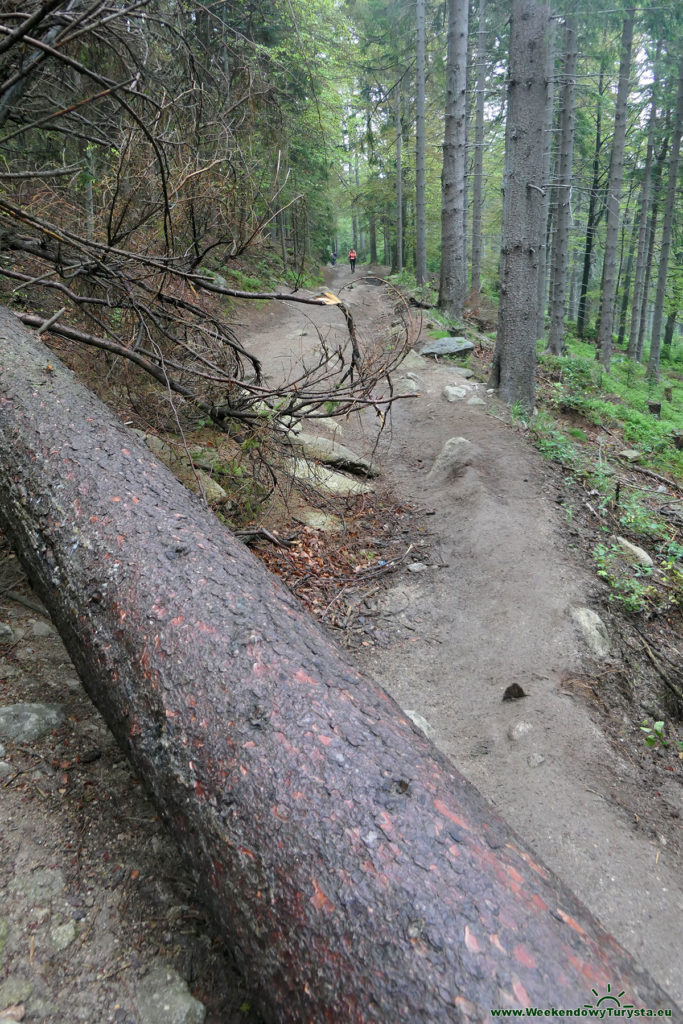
(352, 260)
(333, 258)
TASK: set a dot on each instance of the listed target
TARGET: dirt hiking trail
(494, 602)
(97, 921)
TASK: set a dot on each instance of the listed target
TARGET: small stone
(452, 393)
(421, 723)
(417, 567)
(481, 748)
(533, 760)
(5, 769)
(6, 634)
(4, 932)
(514, 692)
(593, 629)
(15, 989)
(455, 455)
(2, 750)
(519, 730)
(633, 553)
(42, 628)
(412, 361)
(475, 400)
(38, 887)
(631, 454)
(407, 386)
(464, 371)
(62, 935)
(24, 723)
(164, 998)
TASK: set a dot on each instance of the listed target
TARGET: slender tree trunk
(560, 251)
(453, 284)
(478, 163)
(639, 277)
(614, 195)
(514, 363)
(651, 236)
(591, 221)
(667, 231)
(669, 332)
(420, 152)
(626, 289)
(547, 161)
(399, 180)
(372, 226)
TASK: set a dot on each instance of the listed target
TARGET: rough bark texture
(478, 163)
(453, 194)
(420, 152)
(667, 232)
(547, 160)
(591, 220)
(357, 874)
(609, 279)
(560, 257)
(639, 279)
(399, 180)
(514, 363)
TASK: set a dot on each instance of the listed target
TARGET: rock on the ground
(325, 480)
(519, 730)
(327, 522)
(447, 347)
(417, 567)
(42, 628)
(407, 385)
(62, 935)
(412, 361)
(534, 760)
(6, 634)
(631, 454)
(476, 400)
(179, 464)
(633, 553)
(23, 723)
(452, 393)
(421, 723)
(457, 453)
(593, 630)
(164, 998)
(332, 453)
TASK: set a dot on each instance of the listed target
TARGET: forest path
(494, 607)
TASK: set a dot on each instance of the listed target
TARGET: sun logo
(609, 997)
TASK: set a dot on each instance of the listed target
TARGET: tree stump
(358, 876)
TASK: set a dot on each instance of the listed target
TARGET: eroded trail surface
(493, 599)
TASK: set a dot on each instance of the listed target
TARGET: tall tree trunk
(547, 160)
(560, 251)
(453, 195)
(669, 332)
(478, 163)
(514, 363)
(651, 237)
(399, 180)
(591, 221)
(356, 874)
(639, 277)
(626, 289)
(372, 225)
(667, 231)
(614, 195)
(420, 152)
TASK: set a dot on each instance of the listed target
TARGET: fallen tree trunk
(357, 875)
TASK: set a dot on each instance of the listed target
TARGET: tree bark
(614, 196)
(591, 221)
(560, 251)
(514, 362)
(639, 277)
(399, 180)
(547, 161)
(453, 194)
(667, 232)
(420, 152)
(651, 235)
(357, 875)
(478, 163)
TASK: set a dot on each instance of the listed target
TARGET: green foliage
(629, 585)
(654, 734)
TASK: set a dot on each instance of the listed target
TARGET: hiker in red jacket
(352, 260)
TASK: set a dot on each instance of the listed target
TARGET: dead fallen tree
(357, 875)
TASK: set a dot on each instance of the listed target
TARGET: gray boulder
(447, 347)
(457, 453)
(164, 998)
(332, 454)
(593, 630)
(24, 723)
